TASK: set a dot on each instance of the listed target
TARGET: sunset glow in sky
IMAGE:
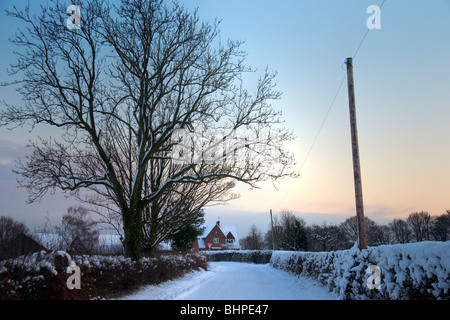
(402, 88)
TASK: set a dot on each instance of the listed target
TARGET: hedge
(249, 256)
(408, 271)
(43, 275)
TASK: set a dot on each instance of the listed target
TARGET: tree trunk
(150, 233)
(132, 226)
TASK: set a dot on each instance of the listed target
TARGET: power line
(315, 138)
(331, 105)
(337, 93)
(323, 122)
(367, 32)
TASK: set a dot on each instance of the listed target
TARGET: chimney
(218, 223)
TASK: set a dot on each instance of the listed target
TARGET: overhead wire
(367, 31)
(330, 108)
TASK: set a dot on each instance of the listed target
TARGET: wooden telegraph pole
(356, 164)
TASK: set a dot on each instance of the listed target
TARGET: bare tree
(9, 231)
(376, 234)
(325, 237)
(180, 205)
(349, 229)
(254, 239)
(382, 235)
(78, 231)
(119, 88)
(420, 223)
(401, 231)
(441, 227)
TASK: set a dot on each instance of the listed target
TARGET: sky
(402, 90)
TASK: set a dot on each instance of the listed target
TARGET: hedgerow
(44, 275)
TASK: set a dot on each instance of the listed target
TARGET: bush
(408, 271)
(43, 275)
(252, 256)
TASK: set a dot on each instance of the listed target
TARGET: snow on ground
(237, 281)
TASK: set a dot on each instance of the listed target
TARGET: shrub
(43, 275)
(252, 256)
(408, 271)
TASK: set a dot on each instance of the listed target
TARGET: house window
(216, 240)
(230, 241)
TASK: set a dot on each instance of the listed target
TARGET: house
(219, 237)
(22, 244)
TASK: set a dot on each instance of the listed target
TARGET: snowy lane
(237, 281)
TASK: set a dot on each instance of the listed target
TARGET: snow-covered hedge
(43, 275)
(253, 256)
(407, 271)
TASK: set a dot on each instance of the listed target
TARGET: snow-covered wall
(405, 271)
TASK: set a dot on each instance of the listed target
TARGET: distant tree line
(79, 233)
(292, 233)
(289, 231)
